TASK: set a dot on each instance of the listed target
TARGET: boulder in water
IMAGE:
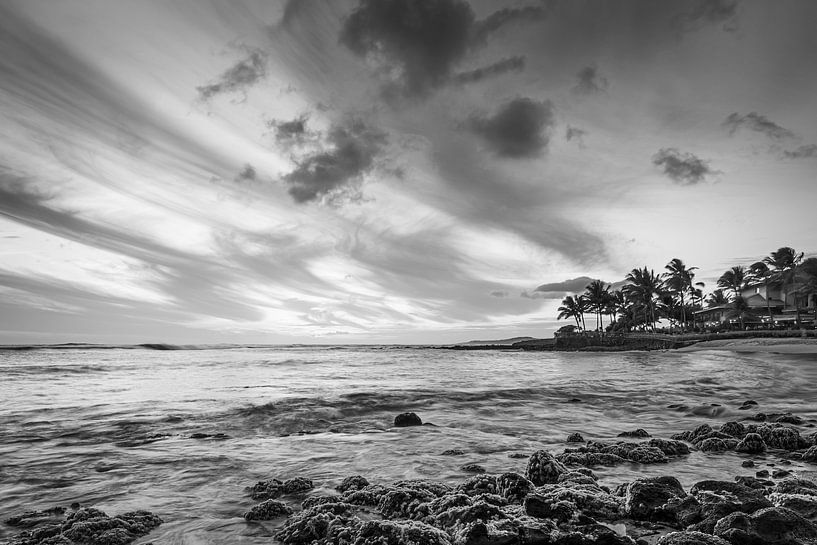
(691, 538)
(575, 438)
(647, 498)
(752, 443)
(770, 526)
(268, 510)
(407, 419)
(544, 468)
(636, 434)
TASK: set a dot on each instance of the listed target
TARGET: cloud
(352, 148)
(575, 132)
(682, 168)
(247, 174)
(239, 77)
(499, 293)
(590, 81)
(573, 285)
(500, 18)
(505, 65)
(520, 129)
(416, 43)
(758, 123)
(803, 152)
(289, 131)
(703, 12)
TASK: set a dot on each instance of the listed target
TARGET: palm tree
(717, 298)
(697, 292)
(644, 286)
(735, 280)
(570, 309)
(596, 294)
(678, 279)
(784, 262)
(760, 271)
(584, 306)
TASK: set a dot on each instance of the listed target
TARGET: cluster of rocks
(81, 526)
(552, 504)
(751, 439)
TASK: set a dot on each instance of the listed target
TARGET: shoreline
(760, 344)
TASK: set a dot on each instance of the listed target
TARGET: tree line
(647, 297)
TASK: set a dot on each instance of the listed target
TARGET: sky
(386, 171)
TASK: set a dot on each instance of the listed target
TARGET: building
(760, 302)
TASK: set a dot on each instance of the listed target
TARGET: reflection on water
(182, 433)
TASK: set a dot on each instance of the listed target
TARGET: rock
(646, 498)
(540, 507)
(752, 443)
(266, 490)
(762, 474)
(749, 403)
(298, 484)
(513, 487)
(589, 459)
(738, 496)
(790, 418)
(407, 419)
(316, 523)
(716, 444)
(571, 498)
(518, 455)
(453, 452)
(405, 503)
(690, 538)
(355, 482)
(479, 484)
(746, 463)
(669, 447)
(804, 505)
(33, 518)
(312, 501)
(753, 482)
(810, 455)
(575, 438)
(796, 486)
(268, 510)
(780, 473)
(772, 526)
(735, 429)
(543, 468)
(777, 436)
(690, 436)
(472, 468)
(637, 434)
(636, 452)
(88, 525)
(383, 532)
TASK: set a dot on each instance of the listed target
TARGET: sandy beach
(779, 346)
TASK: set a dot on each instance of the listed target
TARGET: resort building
(759, 301)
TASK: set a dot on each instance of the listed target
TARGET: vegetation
(645, 297)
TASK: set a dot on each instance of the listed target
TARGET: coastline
(760, 344)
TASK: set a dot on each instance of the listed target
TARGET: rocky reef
(83, 525)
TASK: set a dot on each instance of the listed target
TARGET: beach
(770, 345)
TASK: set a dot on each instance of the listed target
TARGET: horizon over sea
(183, 433)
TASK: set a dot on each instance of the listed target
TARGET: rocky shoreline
(556, 500)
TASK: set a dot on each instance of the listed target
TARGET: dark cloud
(519, 129)
(352, 146)
(575, 132)
(247, 174)
(505, 65)
(590, 81)
(499, 293)
(573, 285)
(239, 77)
(682, 168)
(288, 131)
(418, 41)
(708, 12)
(500, 18)
(803, 152)
(758, 123)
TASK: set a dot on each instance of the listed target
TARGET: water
(113, 428)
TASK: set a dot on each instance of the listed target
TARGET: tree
(783, 263)
(760, 272)
(596, 294)
(644, 286)
(735, 280)
(808, 272)
(717, 298)
(570, 309)
(678, 279)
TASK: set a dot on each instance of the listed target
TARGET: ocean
(183, 433)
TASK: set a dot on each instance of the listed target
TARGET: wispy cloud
(504, 17)
(802, 152)
(682, 168)
(510, 64)
(755, 122)
(575, 133)
(708, 12)
(590, 81)
(239, 77)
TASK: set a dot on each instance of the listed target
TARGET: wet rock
(810, 455)
(407, 419)
(587, 498)
(88, 525)
(771, 526)
(268, 510)
(752, 443)
(355, 482)
(734, 429)
(513, 487)
(479, 484)
(405, 503)
(639, 453)
(762, 474)
(780, 473)
(472, 468)
(746, 463)
(691, 538)
(589, 459)
(575, 438)
(759, 417)
(790, 418)
(33, 518)
(782, 437)
(796, 486)
(669, 447)
(453, 452)
(317, 523)
(383, 532)
(716, 444)
(543, 468)
(578, 478)
(266, 490)
(636, 434)
(749, 403)
(731, 496)
(647, 498)
(433, 487)
(753, 482)
(518, 455)
(368, 495)
(312, 501)
(541, 507)
(690, 436)
(298, 484)
(802, 504)
(712, 435)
